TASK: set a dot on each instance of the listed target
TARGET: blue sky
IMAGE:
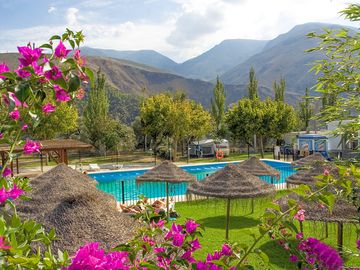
(180, 29)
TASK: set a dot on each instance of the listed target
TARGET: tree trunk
(261, 141)
(175, 143)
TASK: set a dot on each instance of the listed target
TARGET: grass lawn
(211, 214)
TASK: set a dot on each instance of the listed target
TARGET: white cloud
(198, 26)
(51, 9)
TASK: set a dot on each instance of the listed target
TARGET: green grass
(211, 214)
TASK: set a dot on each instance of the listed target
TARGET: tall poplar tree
(279, 89)
(253, 85)
(218, 108)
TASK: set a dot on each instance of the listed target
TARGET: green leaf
(23, 91)
(74, 84)
(55, 37)
(9, 75)
(62, 83)
(72, 43)
(90, 74)
(47, 46)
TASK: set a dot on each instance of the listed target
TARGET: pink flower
(61, 51)
(39, 70)
(187, 256)
(195, 245)
(7, 172)
(226, 250)
(159, 250)
(61, 95)
(53, 74)
(2, 243)
(22, 73)
(80, 94)
(1, 135)
(160, 224)
(178, 239)
(3, 68)
(326, 172)
(48, 108)
(191, 226)
(299, 236)
(15, 114)
(3, 195)
(31, 147)
(300, 215)
(293, 258)
(80, 60)
(29, 55)
(15, 192)
(13, 97)
(24, 127)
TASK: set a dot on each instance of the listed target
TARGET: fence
(124, 188)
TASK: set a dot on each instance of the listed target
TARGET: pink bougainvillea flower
(160, 224)
(7, 172)
(38, 70)
(226, 250)
(80, 60)
(29, 55)
(191, 226)
(15, 192)
(22, 73)
(24, 127)
(61, 51)
(300, 215)
(53, 74)
(3, 195)
(293, 258)
(80, 94)
(62, 96)
(31, 147)
(48, 108)
(5, 99)
(326, 172)
(1, 135)
(299, 236)
(2, 243)
(16, 101)
(83, 77)
(358, 244)
(195, 245)
(15, 114)
(3, 68)
(178, 239)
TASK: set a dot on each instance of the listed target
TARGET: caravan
(209, 147)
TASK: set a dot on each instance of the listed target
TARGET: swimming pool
(122, 184)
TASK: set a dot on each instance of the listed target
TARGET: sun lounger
(94, 167)
(117, 166)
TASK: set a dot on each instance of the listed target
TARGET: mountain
(220, 58)
(283, 56)
(146, 57)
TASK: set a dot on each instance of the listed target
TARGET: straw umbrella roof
(307, 177)
(231, 182)
(256, 167)
(342, 212)
(309, 160)
(166, 172)
(69, 201)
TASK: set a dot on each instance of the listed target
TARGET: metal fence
(126, 191)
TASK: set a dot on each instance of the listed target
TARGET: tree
(253, 85)
(339, 71)
(279, 90)
(305, 109)
(218, 108)
(61, 122)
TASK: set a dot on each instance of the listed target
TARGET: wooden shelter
(56, 149)
(69, 201)
(256, 167)
(166, 172)
(229, 183)
(309, 160)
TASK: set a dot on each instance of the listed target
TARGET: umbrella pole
(252, 205)
(167, 200)
(340, 236)
(227, 219)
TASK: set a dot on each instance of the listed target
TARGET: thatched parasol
(69, 201)
(309, 160)
(307, 176)
(256, 167)
(343, 212)
(231, 182)
(166, 172)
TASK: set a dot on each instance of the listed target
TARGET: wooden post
(340, 236)
(167, 200)
(252, 205)
(326, 230)
(227, 219)
(41, 162)
(12, 168)
(17, 165)
(3, 159)
(65, 156)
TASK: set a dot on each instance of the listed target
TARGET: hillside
(283, 56)
(220, 58)
(146, 57)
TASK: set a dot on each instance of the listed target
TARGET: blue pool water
(122, 184)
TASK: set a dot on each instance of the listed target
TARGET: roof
(166, 172)
(256, 167)
(307, 176)
(231, 182)
(312, 136)
(50, 145)
(315, 158)
(69, 201)
(342, 212)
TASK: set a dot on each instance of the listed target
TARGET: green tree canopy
(253, 85)
(279, 89)
(218, 108)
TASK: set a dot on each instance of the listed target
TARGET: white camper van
(208, 148)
